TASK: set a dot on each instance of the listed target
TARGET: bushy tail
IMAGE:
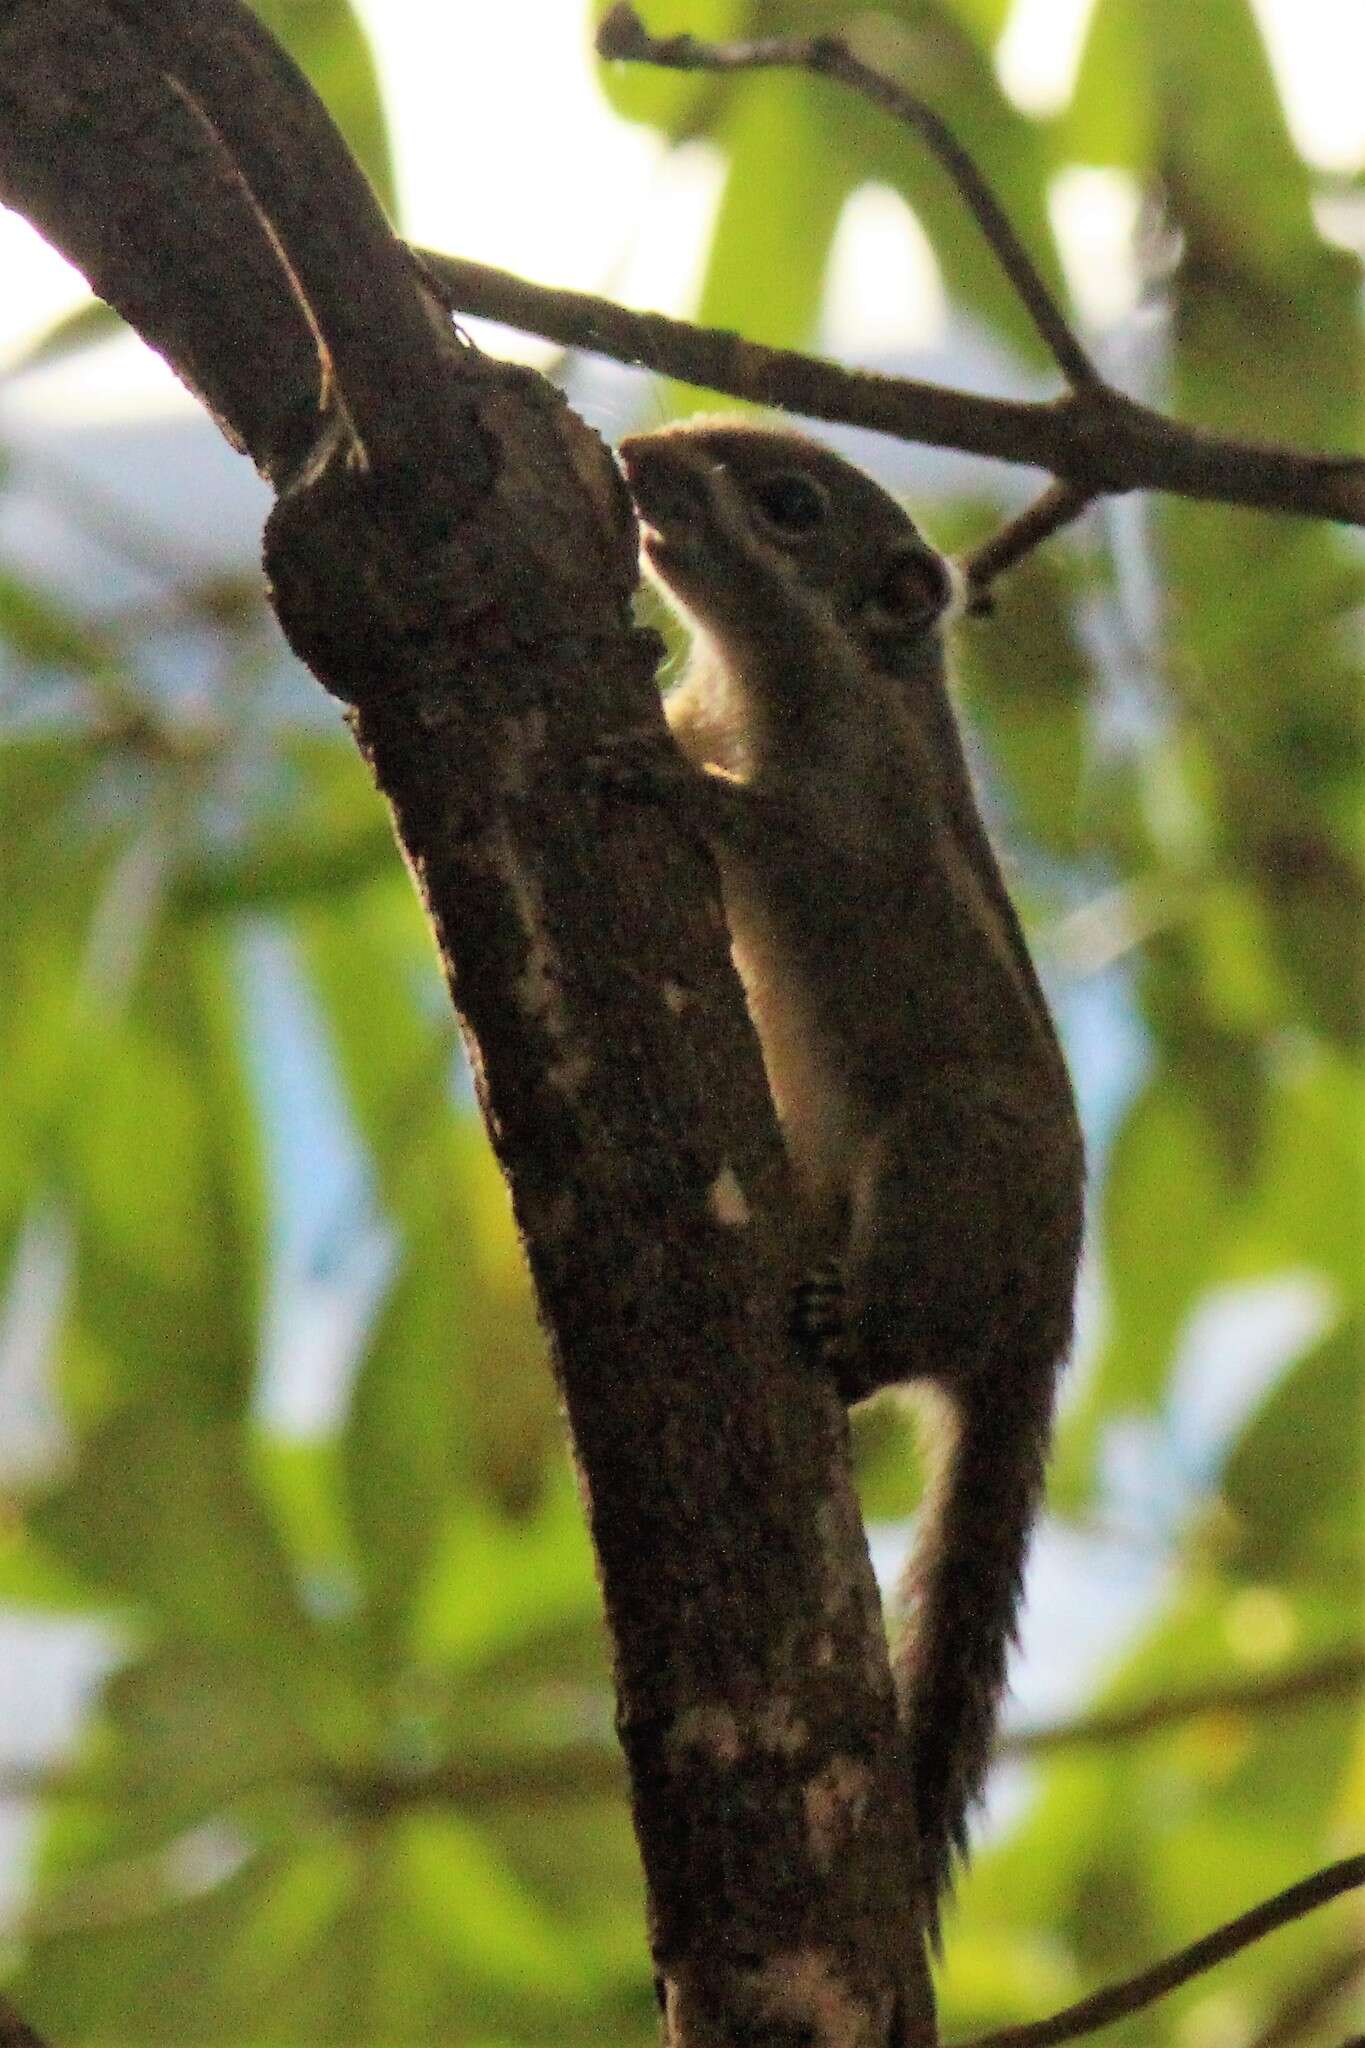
(961, 1591)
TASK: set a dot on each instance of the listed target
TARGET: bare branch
(1058, 506)
(622, 35)
(1096, 438)
(1093, 440)
(1118, 2001)
(1014, 430)
(1340, 1674)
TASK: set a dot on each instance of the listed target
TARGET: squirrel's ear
(913, 588)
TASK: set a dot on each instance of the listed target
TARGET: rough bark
(453, 555)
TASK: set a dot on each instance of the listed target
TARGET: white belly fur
(803, 1072)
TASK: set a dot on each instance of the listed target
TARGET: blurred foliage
(351, 1776)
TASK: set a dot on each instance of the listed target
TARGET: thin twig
(1058, 506)
(1118, 2001)
(1339, 1674)
(622, 35)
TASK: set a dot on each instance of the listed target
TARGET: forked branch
(1092, 439)
(623, 35)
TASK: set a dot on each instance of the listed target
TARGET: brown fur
(913, 1063)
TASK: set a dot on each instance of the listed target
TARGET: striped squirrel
(918, 1079)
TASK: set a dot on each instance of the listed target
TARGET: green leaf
(1253, 262)
(31, 1577)
(1294, 1478)
(148, 1956)
(413, 1930)
(160, 1511)
(1111, 118)
(318, 829)
(1241, 992)
(784, 189)
(52, 877)
(470, 1904)
(1028, 684)
(184, 1735)
(289, 869)
(1302, 1210)
(372, 966)
(404, 1441)
(159, 1173)
(454, 1389)
(1134, 1847)
(887, 1459)
(46, 634)
(984, 19)
(302, 1484)
(1163, 1198)
(541, 1564)
(91, 323)
(1225, 137)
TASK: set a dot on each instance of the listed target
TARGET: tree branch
(454, 555)
(1118, 2001)
(1058, 506)
(1340, 1674)
(1097, 439)
(1100, 418)
(1093, 439)
(588, 1770)
(622, 35)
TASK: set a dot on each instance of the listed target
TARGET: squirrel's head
(755, 530)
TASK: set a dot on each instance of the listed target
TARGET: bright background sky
(506, 153)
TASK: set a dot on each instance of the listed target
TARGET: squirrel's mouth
(670, 496)
(668, 554)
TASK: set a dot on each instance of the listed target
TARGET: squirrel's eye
(790, 502)
(915, 585)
